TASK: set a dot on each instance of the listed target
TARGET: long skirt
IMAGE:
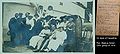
(36, 40)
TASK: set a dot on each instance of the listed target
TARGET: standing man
(18, 38)
(13, 29)
(37, 26)
(71, 35)
(27, 27)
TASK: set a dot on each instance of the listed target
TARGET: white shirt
(60, 37)
(64, 24)
(91, 17)
(30, 22)
(36, 18)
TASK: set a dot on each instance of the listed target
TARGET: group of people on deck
(48, 33)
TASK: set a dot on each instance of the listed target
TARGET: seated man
(37, 40)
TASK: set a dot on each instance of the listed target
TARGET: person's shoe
(36, 50)
(12, 46)
(46, 50)
(42, 51)
(30, 47)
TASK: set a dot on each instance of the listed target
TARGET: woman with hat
(71, 35)
(57, 39)
(38, 40)
(64, 23)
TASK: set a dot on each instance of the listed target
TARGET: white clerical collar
(36, 19)
(15, 17)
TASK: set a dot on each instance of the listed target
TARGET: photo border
(1, 29)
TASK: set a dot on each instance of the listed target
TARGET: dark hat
(30, 17)
(16, 14)
(20, 13)
(63, 17)
(48, 17)
(36, 15)
(27, 13)
(40, 7)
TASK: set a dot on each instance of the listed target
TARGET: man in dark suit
(13, 29)
(25, 29)
(37, 26)
(18, 38)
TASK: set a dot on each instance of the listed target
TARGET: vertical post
(78, 31)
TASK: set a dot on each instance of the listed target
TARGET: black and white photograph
(47, 26)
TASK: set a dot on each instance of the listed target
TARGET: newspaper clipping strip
(107, 18)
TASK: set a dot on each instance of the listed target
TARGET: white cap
(46, 25)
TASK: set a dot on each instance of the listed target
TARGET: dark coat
(14, 26)
(15, 30)
(36, 28)
(25, 31)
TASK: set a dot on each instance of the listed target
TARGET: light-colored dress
(64, 24)
(55, 43)
(37, 40)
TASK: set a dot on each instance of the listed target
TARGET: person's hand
(8, 33)
(54, 38)
(63, 44)
(46, 34)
